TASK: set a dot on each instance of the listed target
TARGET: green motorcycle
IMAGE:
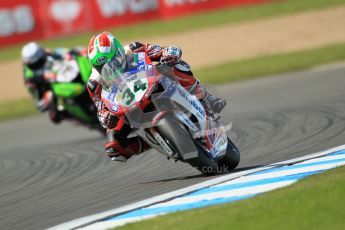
(65, 87)
(71, 94)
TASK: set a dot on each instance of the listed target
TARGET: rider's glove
(171, 55)
(46, 102)
(107, 119)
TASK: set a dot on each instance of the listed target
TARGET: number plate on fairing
(68, 71)
(133, 88)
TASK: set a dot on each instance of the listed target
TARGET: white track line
(225, 194)
(281, 173)
(116, 223)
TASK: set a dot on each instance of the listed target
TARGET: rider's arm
(28, 78)
(39, 90)
(153, 51)
(33, 82)
(168, 55)
(94, 87)
(68, 54)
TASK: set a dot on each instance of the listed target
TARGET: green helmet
(103, 48)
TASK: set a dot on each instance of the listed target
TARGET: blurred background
(210, 32)
(24, 20)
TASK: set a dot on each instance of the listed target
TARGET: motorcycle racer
(105, 47)
(37, 65)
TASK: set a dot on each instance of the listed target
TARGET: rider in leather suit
(105, 47)
(37, 64)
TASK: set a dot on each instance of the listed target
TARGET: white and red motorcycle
(167, 116)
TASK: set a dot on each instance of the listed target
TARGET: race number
(128, 96)
(139, 85)
(134, 90)
(68, 71)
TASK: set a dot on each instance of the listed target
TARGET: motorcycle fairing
(134, 86)
(85, 68)
(67, 90)
(214, 133)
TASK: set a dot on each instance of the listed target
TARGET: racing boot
(186, 78)
(121, 148)
(213, 104)
(114, 155)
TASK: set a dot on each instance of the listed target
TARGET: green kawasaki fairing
(85, 68)
(64, 91)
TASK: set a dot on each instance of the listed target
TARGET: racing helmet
(34, 56)
(105, 47)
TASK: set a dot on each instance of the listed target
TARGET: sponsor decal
(114, 108)
(182, 117)
(162, 143)
(219, 144)
(131, 78)
(150, 70)
(111, 96)
(141, 67)
(65, 11)
(110, 8)
(101, 60)
(191, 101)
(149, 91)
(17, 20)
(141, 57)
(65, 16)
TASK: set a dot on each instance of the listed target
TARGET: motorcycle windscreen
(130, 86)
(111, 75)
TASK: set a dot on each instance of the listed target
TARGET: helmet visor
(38, 64)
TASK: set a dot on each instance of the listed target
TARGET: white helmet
(33, 55)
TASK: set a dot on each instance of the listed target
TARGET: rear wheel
(204, 163)
(231, 159)
(178, 137)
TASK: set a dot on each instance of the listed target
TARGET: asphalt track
(51, 174)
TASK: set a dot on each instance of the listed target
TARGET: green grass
(271, 64)
(316, 202)
(202, 20)
(15, 109)
(226, 73)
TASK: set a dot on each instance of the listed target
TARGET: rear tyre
(179, 138)
(231, 159)
(204, 163)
